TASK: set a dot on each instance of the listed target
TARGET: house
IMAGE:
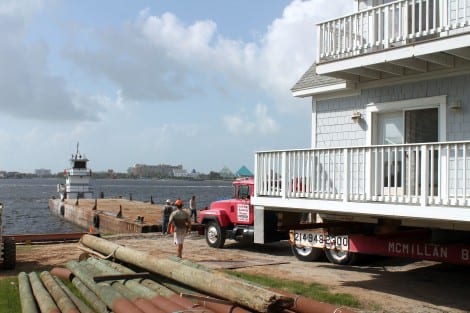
(390, 138)
(243, 172)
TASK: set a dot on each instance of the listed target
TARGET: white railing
(424, 174)
(79, 188)
(79, 172)
(389, 25)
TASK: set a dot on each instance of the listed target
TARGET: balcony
(415, 181)
(405, 37)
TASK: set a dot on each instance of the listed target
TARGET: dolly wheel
(307, 254)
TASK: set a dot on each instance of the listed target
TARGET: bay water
(26, 200)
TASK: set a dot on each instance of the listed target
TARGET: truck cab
(234, 218)
(230, 218)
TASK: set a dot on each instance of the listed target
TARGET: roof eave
(317, 90)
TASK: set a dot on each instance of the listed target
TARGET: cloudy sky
(201, 83)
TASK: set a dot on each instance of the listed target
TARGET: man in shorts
(182, 224)
(167, 210)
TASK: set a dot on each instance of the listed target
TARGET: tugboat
(77, 179)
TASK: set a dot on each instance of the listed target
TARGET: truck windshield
(243, 192)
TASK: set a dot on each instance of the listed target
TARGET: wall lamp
(356, 116)
(455, 105)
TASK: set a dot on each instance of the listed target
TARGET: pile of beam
(109, 286)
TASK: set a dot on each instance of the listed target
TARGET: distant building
(179, 172)
(162, 170)
(226, 173)
(42, 172)
(243, 172)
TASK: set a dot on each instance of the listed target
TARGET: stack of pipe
(108, 286)
(222, 286)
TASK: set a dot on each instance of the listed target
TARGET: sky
(204, 83)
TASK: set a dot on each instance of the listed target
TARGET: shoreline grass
(311, 290)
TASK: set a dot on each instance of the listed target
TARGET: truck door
(243, 211)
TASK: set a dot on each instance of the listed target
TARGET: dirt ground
(387, 285)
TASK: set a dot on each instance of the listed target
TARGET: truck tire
(9, 254)
(215, 236)
(307, 254)
(341, 257)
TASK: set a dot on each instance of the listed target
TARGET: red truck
(314, 236)
(234, 218)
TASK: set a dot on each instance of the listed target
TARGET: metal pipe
(223, 308)
(96, 303)
(60, 297)
(63, 273)
(166, 305)
(188, 304)
(111, 267)
(133, 284)
(28, 303)
(133, 290)
(234, 290)
(143, 304)
(113, 299)
(81, 306)
(158, 288)
(43, 298)
(307, 305)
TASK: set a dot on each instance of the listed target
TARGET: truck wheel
(340, 257)
(9, 254)
(215, 237)
(307, 254)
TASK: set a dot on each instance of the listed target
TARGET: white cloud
(23, 8)
(156, 58)
(265, 123)
(238, 125)
(160, 58)
(28, 89)
(257, 122)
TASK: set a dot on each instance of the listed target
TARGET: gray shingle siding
(336, 129)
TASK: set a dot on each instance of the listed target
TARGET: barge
(77, 204)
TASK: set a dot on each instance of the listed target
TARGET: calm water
(25, 200)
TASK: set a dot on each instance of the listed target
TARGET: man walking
(182, 224)
(167, 210)
(192, 207)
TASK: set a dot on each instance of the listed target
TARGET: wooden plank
(46, 237)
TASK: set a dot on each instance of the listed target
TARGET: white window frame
(439, 102)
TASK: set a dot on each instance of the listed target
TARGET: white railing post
(320, 42)
(424, 176)
(444, 18)
(257, 177)
(368, 173)
(346, 175)
(284, 185)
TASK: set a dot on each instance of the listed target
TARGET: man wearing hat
(182, 222)
(167, 210)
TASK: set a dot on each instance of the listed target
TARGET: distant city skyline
(201, 83)
(48, 172)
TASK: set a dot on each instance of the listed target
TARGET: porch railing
(419, 174)
(393, 24)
